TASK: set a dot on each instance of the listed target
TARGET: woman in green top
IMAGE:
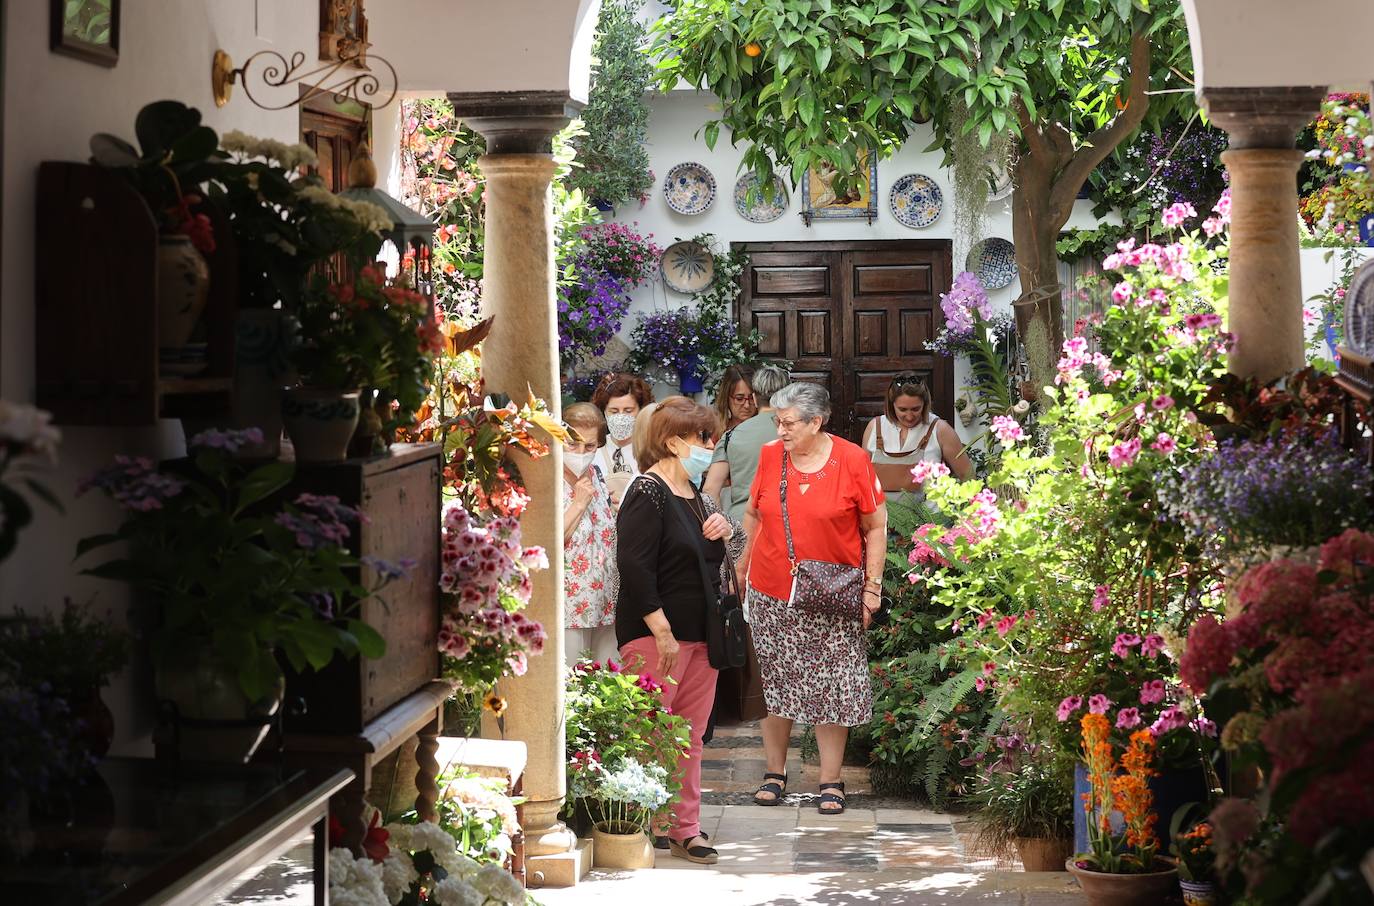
(737, 455)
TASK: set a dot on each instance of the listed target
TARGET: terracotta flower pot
(1103, 889)
(609, 850)
(1043, 853)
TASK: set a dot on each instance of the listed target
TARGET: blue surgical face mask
(696, 462)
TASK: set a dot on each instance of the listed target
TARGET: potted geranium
(236, 580)
(354, 334)
(1121, 868)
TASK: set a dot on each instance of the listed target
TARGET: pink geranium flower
(1152, 692)
(1178, 212)
(1124, 643)
(1152, 645)
(1164, 443)
(1128, 718)
(1068, 706)
(1099, 704)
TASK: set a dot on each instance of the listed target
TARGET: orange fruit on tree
(752, 49)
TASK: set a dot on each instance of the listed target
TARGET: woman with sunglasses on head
(735, 400)
(814, 502)
(909, 432)
(670, 543)
(590, 579)
(620, 396)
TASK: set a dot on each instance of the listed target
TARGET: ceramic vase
(204, 715)
(183, 286)
(319, 422)
(1102, 889)
(1198, 893)
(1043, 853)
(610, 850)
(689, 376)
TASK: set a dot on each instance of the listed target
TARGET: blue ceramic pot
(1173, 789)
(689, 376)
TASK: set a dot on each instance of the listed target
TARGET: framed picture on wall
(823, 200)
(86, 29)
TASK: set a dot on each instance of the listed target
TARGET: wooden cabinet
(398, 495)
(96, 317)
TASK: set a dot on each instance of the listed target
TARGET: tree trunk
(1034, 231)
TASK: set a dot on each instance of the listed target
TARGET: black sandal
(827, 798)
(702, 855)
(771, 785)
(661, 842)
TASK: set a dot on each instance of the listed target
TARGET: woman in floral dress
(590, 578)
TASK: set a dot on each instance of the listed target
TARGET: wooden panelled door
(850, 315)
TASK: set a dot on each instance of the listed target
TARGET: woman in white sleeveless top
(910, 432)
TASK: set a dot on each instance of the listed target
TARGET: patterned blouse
(590, 578)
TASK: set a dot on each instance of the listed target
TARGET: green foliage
(477, 813)
(614, 163)
(927, 715)
(1094, 244)
(1031, 798)
(1065, 548)
(1329, 304)
(834, 80)
(236, 575)
(72, 653)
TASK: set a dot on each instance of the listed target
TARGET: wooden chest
(398, 495)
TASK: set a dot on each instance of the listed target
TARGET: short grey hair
(810, 400)
(768, 380)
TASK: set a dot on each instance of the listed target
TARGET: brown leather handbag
(894, 477)
(819, 586)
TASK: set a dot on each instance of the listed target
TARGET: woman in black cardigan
(665, 527)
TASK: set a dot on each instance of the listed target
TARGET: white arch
(1275, 43)
(487, 45)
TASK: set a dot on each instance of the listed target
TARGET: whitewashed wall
(674, 121)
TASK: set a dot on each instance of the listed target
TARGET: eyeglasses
(787, 424)
(742, 397)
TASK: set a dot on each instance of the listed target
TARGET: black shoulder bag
(727, 640)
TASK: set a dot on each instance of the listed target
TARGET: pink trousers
(690, 698)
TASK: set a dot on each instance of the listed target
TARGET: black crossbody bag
(727, 641)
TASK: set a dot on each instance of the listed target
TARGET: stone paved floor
(880, 851)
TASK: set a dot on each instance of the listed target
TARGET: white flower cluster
(26, 430)
(355, 882)
(362, 882)
(373, 218)
(290, 157)
(632, 783)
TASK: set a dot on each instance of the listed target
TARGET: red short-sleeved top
(825, 519)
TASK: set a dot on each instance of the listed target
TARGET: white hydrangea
(498, 884)
(398, 874)
(455, 891)
(289, 157)
(355, 882)
(372, 217)
(398, 836)
(28, 426)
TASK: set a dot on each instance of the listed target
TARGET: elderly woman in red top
(814, 665)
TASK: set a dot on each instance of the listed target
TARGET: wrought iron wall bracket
(348, 78)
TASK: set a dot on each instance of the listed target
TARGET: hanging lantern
(411, 235)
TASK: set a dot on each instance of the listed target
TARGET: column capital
(515, 122)
(1263, 117)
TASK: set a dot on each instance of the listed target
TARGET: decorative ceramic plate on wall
(993, 261)
(764, 209)
(999, 183)
(915, 200)
(689, 188)
(687, 267)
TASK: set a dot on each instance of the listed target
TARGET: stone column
(520, 356)
(1266, 276)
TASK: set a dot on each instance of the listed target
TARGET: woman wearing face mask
(620, 396)
(590, 577)
(665, 529)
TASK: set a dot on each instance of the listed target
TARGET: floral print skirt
(814, 666)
